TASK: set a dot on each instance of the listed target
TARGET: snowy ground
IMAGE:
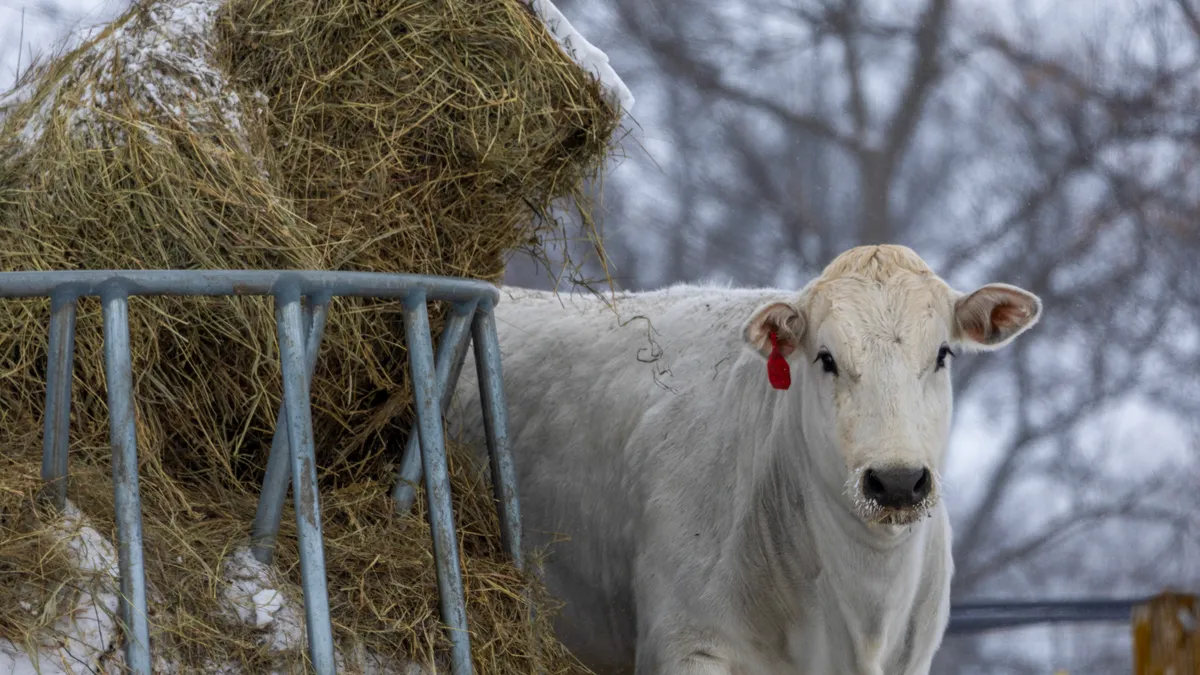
(85, 639)
(82, 636)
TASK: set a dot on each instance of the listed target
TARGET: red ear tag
(779, 373)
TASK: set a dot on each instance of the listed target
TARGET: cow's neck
(798, 536)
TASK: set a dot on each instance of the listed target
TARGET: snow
(584, 53)
(164, 63)
(251, 596)
(85, 638)
(266, 603)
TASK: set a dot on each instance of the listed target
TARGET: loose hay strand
(423, 136)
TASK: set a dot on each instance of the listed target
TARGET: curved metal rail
(301, 310)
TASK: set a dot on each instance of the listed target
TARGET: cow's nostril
(897, 487)
(873, 488)
(924, 483)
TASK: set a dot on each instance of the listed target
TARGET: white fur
(714, 525)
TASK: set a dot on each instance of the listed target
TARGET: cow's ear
(785, 320)
(993, 315)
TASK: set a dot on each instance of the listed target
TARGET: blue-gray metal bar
(57, 426)
(977, 617)
(279, 475)
(451, 350)
(437, 481)
(118, 368)
(288, 317)
(495, 423)
(115, 287)
(245, 282)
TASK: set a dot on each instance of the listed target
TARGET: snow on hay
(165, 63)
(86, 640)
(170, 64)
(588, 56)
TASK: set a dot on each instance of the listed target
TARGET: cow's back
(580, 377)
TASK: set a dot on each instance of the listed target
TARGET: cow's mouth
(892, 516)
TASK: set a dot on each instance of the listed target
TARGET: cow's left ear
(785, 320)
(993, 315)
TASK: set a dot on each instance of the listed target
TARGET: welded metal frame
(301, 310)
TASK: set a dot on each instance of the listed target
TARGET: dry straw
(427, 136)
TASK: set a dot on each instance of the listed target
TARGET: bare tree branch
(1190, 15)
(846, 24)
(923, 74)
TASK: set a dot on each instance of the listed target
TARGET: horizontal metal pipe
(243, 282)
(976, 617)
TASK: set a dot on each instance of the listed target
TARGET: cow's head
(870, 345)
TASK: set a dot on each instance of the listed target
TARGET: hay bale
(425, 136)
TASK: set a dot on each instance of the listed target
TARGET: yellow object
(1166, 636)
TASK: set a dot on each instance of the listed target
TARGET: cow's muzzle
(893, 494)
(897, 487)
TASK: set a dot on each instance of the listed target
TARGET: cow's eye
(943, 352)
(827, 362)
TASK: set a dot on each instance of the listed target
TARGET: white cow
(716, 525)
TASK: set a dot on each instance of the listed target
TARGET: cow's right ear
(993, 315)
(785, 320)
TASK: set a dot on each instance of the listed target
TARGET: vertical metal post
(304, 479)
(451, 351)
(279, 476)
(118, 368)
(437, 481)
(495, 424)
(57, 424)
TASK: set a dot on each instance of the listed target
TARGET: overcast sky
(35, 26)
